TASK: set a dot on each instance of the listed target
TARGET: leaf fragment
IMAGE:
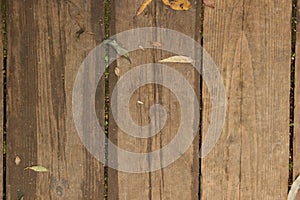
(17, 160)
(178, 4)
(209, 3)
(141, 47)
(117, 71)
(37, 168)
(118, 48)
(177, 59)
(143, 7)
(140, 102)
(156, 44)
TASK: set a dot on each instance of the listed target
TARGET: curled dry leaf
(209, 3)
(17, 160)
(177, 59)
(143, 7)
(178, 4)
(38, 168)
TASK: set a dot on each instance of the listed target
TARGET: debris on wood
(178, 4)
(156, 44)
(17, 160)
(140, 102)
(117, 71)
(143, 7)
(141, 47)
(174, 4)
(209, 3)
(119, 50)
(294, 189)
(37, 168)
(79, 32)
(177, 59)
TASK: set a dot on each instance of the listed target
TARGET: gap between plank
(292, 88)
(4, 90)
(201, 21)
(107, 98)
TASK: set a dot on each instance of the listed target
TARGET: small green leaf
(38, 168)
(118, 48)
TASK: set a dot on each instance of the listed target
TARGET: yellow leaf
(143, 7)
(178, 4)
(38, 168)
(177, 59)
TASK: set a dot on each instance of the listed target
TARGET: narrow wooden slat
(296, 145)
(180, 179)
(44, 54)
(2, 46)
(250, 43)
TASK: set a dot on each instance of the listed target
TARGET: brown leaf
(178, 4)
(143, 7)
(209, 3)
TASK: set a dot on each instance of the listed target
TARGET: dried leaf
(141, 47)
(17, 160)
(38, 168)
(156, 44)
(143, 7)
(140, 102)
(178, 4)
(209, 3)
(117, 71)
(294, 189)
(177, 59)
(120, 50)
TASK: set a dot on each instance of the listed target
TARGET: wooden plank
(180, 179)
(250, 42)
(44, 54)
(2, 65)
(296, 145)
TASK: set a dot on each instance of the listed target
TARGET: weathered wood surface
(250, 42)
(44, 55)
(180, 179)
(296, 145)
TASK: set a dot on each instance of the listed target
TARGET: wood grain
(180, 179)
(296, 145)
(250, 42)
(44, 54)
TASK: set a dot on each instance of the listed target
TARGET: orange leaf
(178, 4)
(143, 7)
